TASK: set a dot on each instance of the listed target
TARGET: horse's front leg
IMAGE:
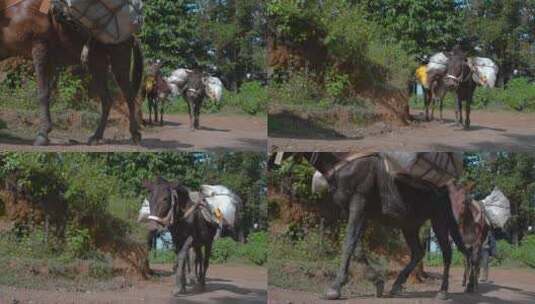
(442, 233)
(100, 83)
(417, 253)
(468, 110)
(181, 269)
(207, 254)
(353, 233)
(121, 64)
(459, 111)
(197, 112)
(43, 70)
(161, 113)
(191, 113)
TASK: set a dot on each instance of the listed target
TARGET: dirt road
(491, 130)
(227, 284)
(218, 132)
(507, 286)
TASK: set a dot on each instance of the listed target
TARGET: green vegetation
(226, 250)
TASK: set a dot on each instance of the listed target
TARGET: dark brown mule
(24, 31)
(194, 93)
(473, 226)
(459, 79)
(172, 208)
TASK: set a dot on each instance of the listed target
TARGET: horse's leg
(156, 110)
(150, 110)
(161, 113)
(207, 253)
(120, 63)
(427, 101)
(466, 269)
(468, 109)
(472, 271)
(43, 71)
(190, 112)
(353, 232)
(459, 110)
(417, 253)
(99, 72)
(197, 113)
(442, 233)
(181, 269)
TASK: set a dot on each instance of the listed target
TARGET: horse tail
(137, 74)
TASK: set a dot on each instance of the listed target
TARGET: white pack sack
(222, 198)
(319, 183)
(214, 88)
(485, 71)
(438, 63)
(497, 208)
(434, 167)
(108, 21)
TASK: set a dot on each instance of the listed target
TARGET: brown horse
(473, 226)
(50, 42)
(156, 90)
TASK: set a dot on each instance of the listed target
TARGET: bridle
(169, 219)
(460, 79)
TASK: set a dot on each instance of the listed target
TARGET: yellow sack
(219, 215)
(421, 75)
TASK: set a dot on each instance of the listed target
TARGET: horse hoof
(41, 140)
(396, 291)
(92, 141)
(178, 292)
(379, 288)
(442, 295)
(332, 294)
(136, 139)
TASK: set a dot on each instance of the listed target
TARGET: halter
(460, 79)
(169, 219)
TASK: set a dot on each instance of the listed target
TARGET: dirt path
(226, 284)
(507, 286)
(491, 130)
(218, 132)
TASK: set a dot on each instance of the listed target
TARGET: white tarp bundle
(109, 21)
(438, 62)
(435, 167)
(222, 198)
(319, 183)
(497, 208)
(485, 71)
(214, 88)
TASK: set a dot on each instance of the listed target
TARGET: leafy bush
(78, 242)
(252, 98)
(519, 94)
(223, 249)
(256, 249)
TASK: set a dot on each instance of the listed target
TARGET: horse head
(458, 70)
(167, 201)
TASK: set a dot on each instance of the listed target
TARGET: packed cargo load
(107, 21)
(497, 208)
(485, 71)
(434, 167)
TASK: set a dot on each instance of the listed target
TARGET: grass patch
(226, 250)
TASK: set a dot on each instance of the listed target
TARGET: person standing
(488, 250)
